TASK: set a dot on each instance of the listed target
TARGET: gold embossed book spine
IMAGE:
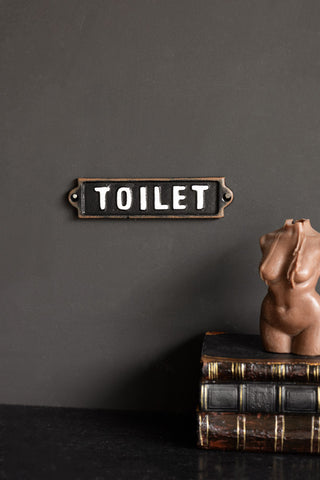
(254, 370)
(259, 433)
(241, 358)
(255, 397)
(257, 401)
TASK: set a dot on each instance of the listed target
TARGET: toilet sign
(172, 198)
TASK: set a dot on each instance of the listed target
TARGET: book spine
(259, 433)
(260, 398)
(255, 371)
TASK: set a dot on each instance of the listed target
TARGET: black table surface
(62, 443)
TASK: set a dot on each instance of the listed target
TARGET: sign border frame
(220, 214)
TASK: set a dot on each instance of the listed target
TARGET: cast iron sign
(151, 197)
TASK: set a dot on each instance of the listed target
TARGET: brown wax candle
(290, 267)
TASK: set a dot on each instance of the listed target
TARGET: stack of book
(253, 400)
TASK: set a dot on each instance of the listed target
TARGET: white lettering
(157, 200)
(200, 189)
(143, 198)
(177, 197)
(121, 193)
(102, 196)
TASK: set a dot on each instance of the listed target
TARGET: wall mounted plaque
(151, 197)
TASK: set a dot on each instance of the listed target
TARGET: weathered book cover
(256, 397)
(259, 432)
(236, 357)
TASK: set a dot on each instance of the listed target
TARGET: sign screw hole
(74, 197)
(227, 197)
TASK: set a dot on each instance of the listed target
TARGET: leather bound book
(236, 357)
(259, 432)
(260, 398)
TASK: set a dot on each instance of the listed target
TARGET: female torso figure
(290, 312)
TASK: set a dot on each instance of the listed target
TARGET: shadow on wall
(221, 294)
(215, 296)
(169, 384)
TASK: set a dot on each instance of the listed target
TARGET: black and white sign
(151, 197)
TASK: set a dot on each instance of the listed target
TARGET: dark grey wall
(109, 313)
